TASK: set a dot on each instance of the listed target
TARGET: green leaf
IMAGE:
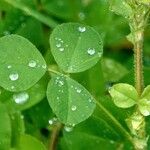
(40, 120)
(69, 100)
(121, 7)
(112, 70)
(20, 62)
(89, 142)
(75, 47)
(144, 102)
(5, 128)
(146, 93)
(124, 95)
(93, 125)
(26, 99)
(64, 9)
(28, 142)
(144, 106)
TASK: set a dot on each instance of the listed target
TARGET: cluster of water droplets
(69, 128)
(34, 64)
(81, 29)
(59, 81)
(52, 121)
(21, 98)
(14, 75)
(60, 44)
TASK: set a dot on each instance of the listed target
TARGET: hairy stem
(47, 20)
(137, 30)
(138, 54)
(54, 136)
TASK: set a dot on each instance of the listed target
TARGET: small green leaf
(124, 95)
(121, 7)
(28, 142)
(5, 128)
(75, 47)
(146, 93)
(144, 106)
(20, 62)
(69, 100)
(144, 102)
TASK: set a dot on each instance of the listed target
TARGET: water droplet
(68, 128)
(91, 51)
(61, 49)
(79, 90)
(82, 29)
(12, 87)
(21, 98)
(50, 121)
(99, 54)
(73, 108)
(32, 63)
(9, 66)
(13, 76)
(58, 45)
(44, 66)
(90, 100)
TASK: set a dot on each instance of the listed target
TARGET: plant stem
(136, 122)
(54, 136)
(138, 61)
(47, 20)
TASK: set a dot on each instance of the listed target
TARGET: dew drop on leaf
(61, 49)
(13, 76)
(12, 87)
(50, 121)
(82, 29)
(91, 51)
(58, 45)
(44, 66)
(73, 108)
(90, 100)
(32, 63)
(9, 66)
(78, 90)
(21, 98)
(68, 128)
(61, 83)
